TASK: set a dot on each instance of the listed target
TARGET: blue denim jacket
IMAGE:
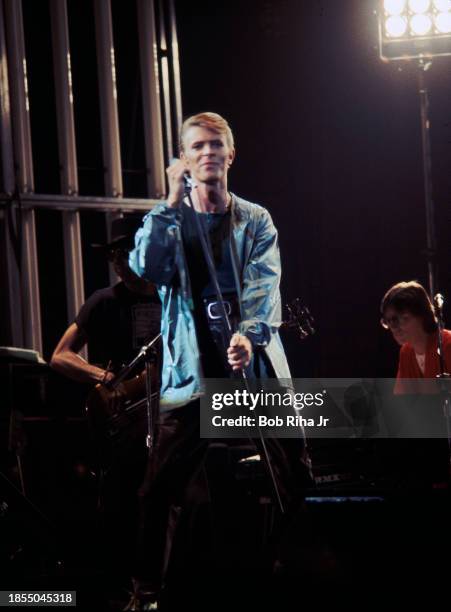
(158, 256)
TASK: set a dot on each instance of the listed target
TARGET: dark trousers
(175, 482)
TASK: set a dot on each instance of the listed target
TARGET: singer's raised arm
(158, 245)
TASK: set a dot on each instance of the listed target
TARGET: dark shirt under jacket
(213, 360)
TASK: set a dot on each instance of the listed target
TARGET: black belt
(218, 333)
(213, 308)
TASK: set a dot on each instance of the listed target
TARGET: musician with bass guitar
(114, 323)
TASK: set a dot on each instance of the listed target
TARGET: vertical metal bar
(20, 106)
(75, 289)
(23, 155)
(64, 97)
(108, 98)
(30, 282)
(8, 178)
(67, 156)
(153, 131)
(11, 281)
(427, 173)
(108, 108)
(170, 146)
(175, 67)
(166, 85)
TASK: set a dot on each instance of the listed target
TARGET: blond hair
(210, 121)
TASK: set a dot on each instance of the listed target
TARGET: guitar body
(299, 319)
(117, 417)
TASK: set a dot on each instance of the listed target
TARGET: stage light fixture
(420, 25)
(418, 30)
(394, 7)
(443, 23)
(414, 29)
(442, 5)
(396, 26)
(419, 6)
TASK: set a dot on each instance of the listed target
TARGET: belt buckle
(227, 306)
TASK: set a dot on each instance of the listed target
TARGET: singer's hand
(239, 352)
(175, 174)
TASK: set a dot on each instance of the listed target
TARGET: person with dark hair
(114, 323)
(409, 314)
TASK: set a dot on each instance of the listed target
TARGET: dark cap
(123, 232)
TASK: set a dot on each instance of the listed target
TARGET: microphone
(188, 181)
(439, 300)
(189, 184)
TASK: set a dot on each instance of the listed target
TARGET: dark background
(328, 139)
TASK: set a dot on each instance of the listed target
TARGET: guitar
(299, 319)
(117, 414)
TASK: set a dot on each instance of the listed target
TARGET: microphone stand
(206, 248)
(444, 377)
(149, 354)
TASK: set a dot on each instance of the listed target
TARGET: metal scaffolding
(161, 108)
